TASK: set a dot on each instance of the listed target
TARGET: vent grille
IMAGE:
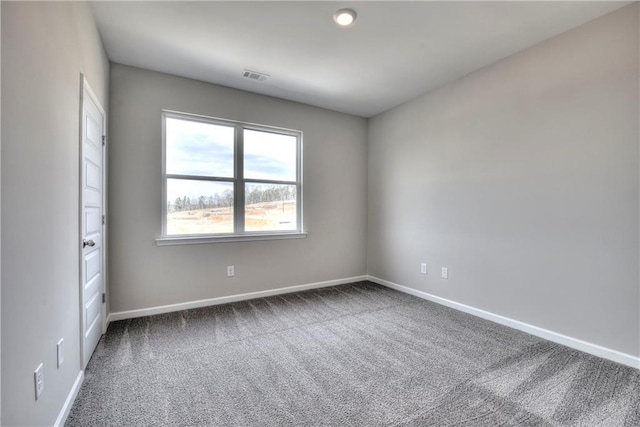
(254, 75)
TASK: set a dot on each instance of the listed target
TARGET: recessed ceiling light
(345, 17)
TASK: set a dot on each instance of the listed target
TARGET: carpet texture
(358, 354)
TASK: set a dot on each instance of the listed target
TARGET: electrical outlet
(423, 268)
(231, 271)
(38, 378)
(445, 273)
(60, 352)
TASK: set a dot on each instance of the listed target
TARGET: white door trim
(86, 88)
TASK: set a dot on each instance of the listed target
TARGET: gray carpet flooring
(355, 355)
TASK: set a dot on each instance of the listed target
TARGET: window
(229, 180)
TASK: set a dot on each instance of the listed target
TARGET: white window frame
(239, 182)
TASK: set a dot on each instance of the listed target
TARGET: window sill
(199, 240)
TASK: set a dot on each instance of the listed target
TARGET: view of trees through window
(216, 201)
(200, 182)
(267, 207)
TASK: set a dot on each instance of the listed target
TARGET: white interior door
(92, 223)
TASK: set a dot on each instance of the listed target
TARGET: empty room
(303, 213)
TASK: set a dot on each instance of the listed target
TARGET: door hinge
(104, 140)
(104, 219)
(104, 298)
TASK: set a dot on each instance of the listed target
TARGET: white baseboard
(594, 349)
(71, 397)
(130, 314)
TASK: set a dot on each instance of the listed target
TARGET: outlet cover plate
(38, 378)
(60, 349)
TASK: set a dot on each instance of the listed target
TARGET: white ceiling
(394, 52)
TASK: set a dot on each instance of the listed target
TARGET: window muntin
(224, 178)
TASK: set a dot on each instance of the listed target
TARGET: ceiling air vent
(254, 75)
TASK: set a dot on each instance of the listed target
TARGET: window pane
(270, 207)
(201, 149)
(269, 156)
(199, 207)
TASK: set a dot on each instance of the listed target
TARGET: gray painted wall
(45, 47)
(145, 275)
(522, 179)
